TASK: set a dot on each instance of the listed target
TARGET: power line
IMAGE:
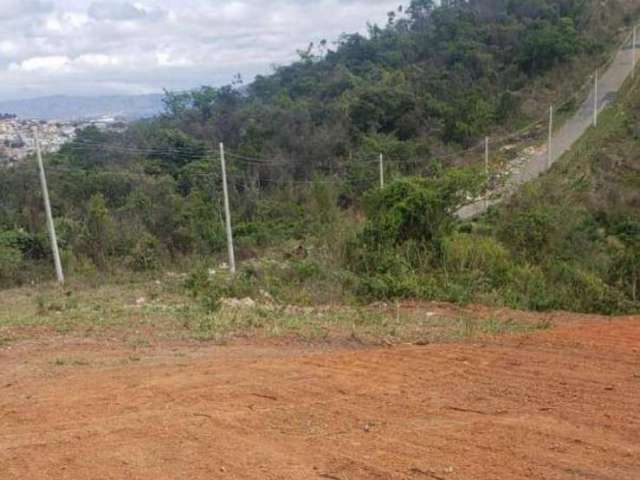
(205, 153)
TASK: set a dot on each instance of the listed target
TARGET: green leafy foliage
(309, 220)
(417, 209)
(547, 43)
(146, 254)
(10, 263)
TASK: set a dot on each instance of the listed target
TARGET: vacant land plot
(555, 404)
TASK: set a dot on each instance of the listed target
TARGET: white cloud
(118, 11)
(51, 64)
(14, 9)
(93, 47)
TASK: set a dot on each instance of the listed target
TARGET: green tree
(98, 234)
(546, 44)
(626, 257)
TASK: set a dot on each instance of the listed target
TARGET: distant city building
(17, 141)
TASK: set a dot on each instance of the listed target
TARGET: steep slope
(530, 166)
(581, 219)
(601, 173)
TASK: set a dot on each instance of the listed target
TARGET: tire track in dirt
(560, 404)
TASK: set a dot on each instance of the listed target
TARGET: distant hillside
(78, 108)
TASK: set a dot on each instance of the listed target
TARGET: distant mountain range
(130, 107)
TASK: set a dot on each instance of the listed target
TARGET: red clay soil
(561, 404)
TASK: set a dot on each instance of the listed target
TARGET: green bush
(205, 223)
(547, 43)
(416, 208)
(463, 252)
(10, 264)
(390, 287)
(31, 246)
(584, 291)
(274, 220)
(203, 285)
(407, 222)
(97, 238)
(532, 232)
(527, 288)
(146, 254)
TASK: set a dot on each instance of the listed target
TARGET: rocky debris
(244, 303)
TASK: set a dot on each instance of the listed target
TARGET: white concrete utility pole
(486, 156)
(634, 53)
(47, 207)
(486, 170)
(595, 101)
(227, 212)
(381, 171)
(550, 145)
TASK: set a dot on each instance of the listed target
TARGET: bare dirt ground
(558, 404)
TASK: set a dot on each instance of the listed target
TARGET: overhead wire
(191, 154)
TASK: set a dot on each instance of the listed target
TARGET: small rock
(248, 302)
(266, 295)
(141, 301)
(239, 303)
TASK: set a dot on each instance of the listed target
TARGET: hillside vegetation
(577, 229)
(310, 223)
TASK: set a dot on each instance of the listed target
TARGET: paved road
(531, 167)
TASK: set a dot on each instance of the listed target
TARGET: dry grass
(140, 313)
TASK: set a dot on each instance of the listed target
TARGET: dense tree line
(301, 141)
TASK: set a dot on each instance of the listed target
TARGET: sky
(105, 47)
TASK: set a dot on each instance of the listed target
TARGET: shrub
(624, 269)
(205, 223)
(584, 291)
(98, 233)
(146, 254)
(420, 209)
(274, 220)
(322, 206)
(10, 264)
(527, 288)
(391, 287)
(547, 43)
(29, 245)
(406, 223)
(529, 231)
(204, 287)
(463, 252)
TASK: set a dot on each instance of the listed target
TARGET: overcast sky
(96, 47)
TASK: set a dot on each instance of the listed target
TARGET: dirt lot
(558, 404)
